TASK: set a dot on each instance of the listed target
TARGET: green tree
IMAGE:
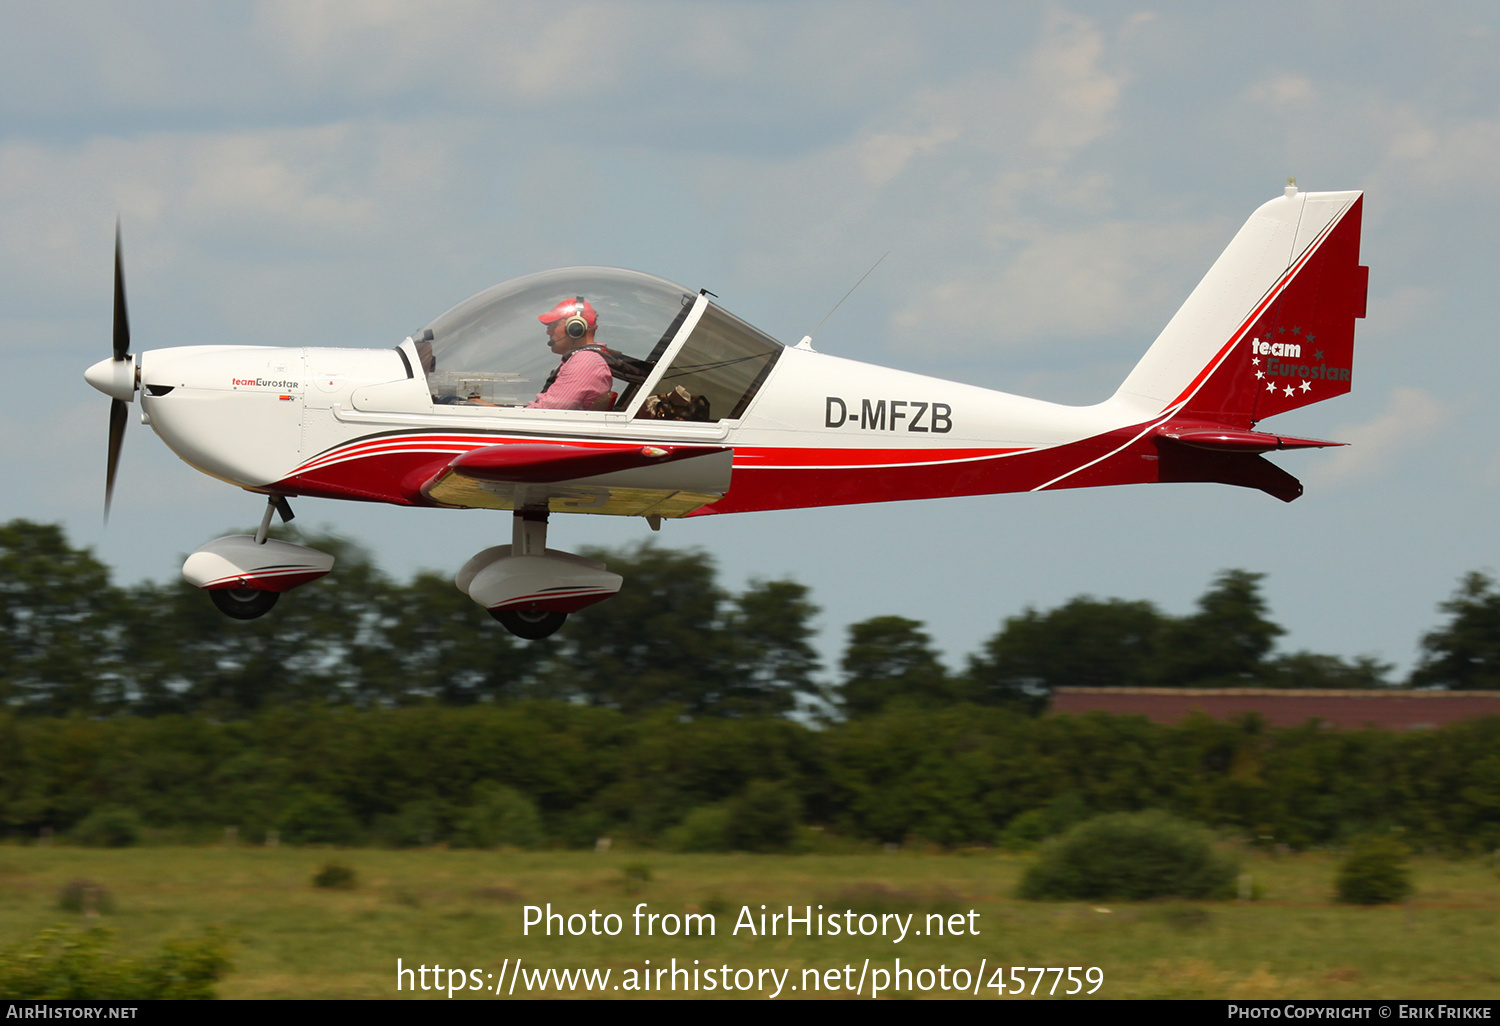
(655, 643)
(59, 624)
(1225, 643)
(672, 636)
(1464, 655)
(439, 645)
(770, 626)
(891, 658)
(1310, 670)
(1083, 643)
(320, 644)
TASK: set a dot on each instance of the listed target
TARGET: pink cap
(568, 308)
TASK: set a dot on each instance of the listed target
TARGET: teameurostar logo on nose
(261, 383)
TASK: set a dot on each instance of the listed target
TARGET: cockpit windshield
(492, 349)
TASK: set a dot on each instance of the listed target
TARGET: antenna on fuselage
(806, 342)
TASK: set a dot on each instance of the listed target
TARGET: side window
(633, 386)
(716, 373)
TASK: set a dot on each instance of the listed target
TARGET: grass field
(464, 909)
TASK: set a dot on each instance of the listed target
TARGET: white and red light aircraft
(713, 416)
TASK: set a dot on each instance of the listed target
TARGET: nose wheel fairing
(238, 562)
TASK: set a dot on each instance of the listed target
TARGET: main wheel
(243, 603)
(531, 624)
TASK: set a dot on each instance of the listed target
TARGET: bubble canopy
(491, 348)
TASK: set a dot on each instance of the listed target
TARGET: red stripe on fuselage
(983, 472)
(383, 469)
(778, 458)
(434, 443)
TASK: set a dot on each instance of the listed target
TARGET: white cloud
(1063, 284)
(884, 155)
(343, 234)
(1410, 148)
(1077, 96)
(972, 183)
(1399, 311)
(309, 190)
(1410, 419)
(1451, 156)
(1283, 90)
(487, 55)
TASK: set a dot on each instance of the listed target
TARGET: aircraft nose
(115, 378)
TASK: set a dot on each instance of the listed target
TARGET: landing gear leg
(274, 504)
(528, 537)
(528, 533)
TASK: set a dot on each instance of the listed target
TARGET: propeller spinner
(116, 377)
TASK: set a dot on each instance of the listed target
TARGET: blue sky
(1049, 179)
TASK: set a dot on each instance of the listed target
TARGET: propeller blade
(117, 414)
(122, 321)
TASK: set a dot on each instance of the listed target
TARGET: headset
(576, 325)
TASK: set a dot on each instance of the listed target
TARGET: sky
(1049, 180)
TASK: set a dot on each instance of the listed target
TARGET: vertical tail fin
(1271, 326)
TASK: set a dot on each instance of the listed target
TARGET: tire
(531, 624)
(243, 603)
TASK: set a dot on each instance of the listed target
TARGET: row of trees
(555, 773)
(71, 641)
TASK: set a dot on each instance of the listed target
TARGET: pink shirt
(581, 380)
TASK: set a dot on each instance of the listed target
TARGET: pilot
(582, 380)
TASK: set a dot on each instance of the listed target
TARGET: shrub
(1131, 856)
(635, 877)
(317, 818)
(1374, 873)
(85, 896)
(414, 825)
(499, 816)
(57, 965)
(706, 828)
(110, 826)
(335, 876)
(763, 817)
(1032, 827)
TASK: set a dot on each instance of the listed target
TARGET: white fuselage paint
(253, 415)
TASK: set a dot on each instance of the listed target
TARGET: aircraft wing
(651, 480)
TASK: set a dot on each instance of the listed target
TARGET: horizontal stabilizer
(1217, 438)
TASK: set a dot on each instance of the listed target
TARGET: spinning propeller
(116, 377)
